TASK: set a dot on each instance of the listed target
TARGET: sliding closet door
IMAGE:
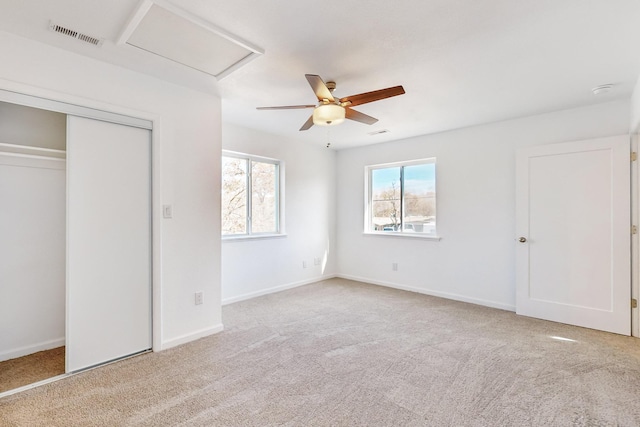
(108, 242)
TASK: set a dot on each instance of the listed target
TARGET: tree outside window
(250, 195)
(402, 197)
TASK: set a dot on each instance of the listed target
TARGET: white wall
(187, 141)
(256, 267)
(475, 259)
(32, 255)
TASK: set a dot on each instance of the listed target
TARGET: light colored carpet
(29, 369)
(342, 353)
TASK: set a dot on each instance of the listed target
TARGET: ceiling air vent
(378, 132)
(75, 34)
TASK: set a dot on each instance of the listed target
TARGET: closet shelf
(32, 151)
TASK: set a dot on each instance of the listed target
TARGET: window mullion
(369, 213)
(276, 180)
(249, 197)
(402, 198)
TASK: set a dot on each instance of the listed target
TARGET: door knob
(522, 239)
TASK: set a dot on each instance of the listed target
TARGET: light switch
(167, 211)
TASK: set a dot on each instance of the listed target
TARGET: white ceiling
(461, 62)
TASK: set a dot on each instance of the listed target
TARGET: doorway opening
(76, 287)
(32, 248)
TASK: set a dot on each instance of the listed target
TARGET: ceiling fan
(331, 110)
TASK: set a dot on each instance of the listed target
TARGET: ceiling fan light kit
(328, 115)
(331, 111)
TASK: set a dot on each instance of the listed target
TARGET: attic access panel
(160, 28)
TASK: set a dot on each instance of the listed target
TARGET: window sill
(253, 237)
(403, 235)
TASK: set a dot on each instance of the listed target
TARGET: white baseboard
(447, 295)
(183, 339)
(30, 349)
(275, 289)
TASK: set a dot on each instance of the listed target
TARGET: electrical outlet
(199, 298)
(316, 261)
(394, 266)
(304, 264)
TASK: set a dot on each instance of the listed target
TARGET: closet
(75, 232)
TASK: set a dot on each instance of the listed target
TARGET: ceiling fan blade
(319, 87)
(286, 107)
(308, 123)
(359, 117)
(376, 95)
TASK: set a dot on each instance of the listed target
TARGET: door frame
(30, 96)
(635, 241)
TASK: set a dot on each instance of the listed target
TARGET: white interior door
(108, 242)
(573, 202)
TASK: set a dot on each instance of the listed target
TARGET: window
(401, 198)
(250, 195)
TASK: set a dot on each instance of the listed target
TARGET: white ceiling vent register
(161, 28)
(75, 34)
(378, 132)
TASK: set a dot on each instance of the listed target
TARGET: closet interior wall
(33, 230)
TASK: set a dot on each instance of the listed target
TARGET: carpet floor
(29, 369)
(343, 353)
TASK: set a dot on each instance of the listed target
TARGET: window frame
(368, 195)
(279, 197)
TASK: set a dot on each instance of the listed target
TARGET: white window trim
(367, 201)
(402, 235)
(279, 199)
(243, 237)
